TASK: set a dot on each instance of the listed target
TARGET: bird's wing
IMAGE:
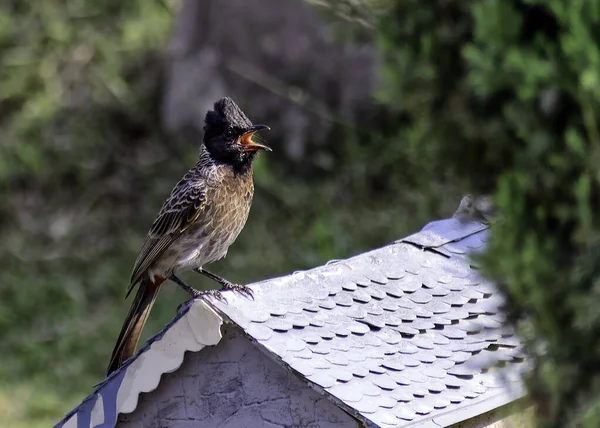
(185, 204)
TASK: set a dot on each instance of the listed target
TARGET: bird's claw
(196, 293)
(218, 295)
(215, 294)
(242, 289)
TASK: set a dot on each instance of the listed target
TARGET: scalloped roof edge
(197, 325)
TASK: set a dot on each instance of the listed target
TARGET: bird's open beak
(251, 146)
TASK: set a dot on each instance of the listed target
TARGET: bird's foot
(242, 289)
(227, 285)
(188, 288)
(216, 294)
(197, 294)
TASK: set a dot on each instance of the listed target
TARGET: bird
(201, 218)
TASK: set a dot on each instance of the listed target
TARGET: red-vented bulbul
(200, 219)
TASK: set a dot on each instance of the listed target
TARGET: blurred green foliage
(506, 94)
(85, 165)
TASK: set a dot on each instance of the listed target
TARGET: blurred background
(383, 114)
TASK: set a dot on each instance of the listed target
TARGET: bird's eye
(228, 133)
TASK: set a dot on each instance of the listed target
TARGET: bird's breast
(229, 205)
(226, 211)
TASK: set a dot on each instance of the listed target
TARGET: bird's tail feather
(134, 323)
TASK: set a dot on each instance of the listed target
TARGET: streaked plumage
(204, 214)
(201, 218)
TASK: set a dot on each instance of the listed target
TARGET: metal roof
(401, 336)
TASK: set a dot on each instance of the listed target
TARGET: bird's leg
(196, 293)
(225, 284)
(188, 288)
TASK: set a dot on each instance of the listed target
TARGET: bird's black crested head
(226, 113)
(228, 135)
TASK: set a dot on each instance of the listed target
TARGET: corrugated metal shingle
(391, 332)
